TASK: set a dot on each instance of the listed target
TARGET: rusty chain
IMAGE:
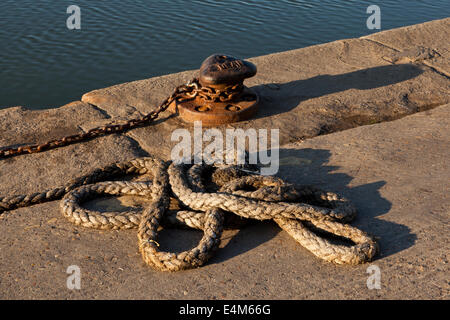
(213, 94)
(181, 93)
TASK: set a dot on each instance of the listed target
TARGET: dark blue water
(44, 65)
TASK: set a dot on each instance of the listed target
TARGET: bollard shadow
(279, 98)
(309, 167)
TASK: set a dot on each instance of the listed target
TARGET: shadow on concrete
(308, 167)
(279, 98)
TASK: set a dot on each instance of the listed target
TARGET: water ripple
(43, 64)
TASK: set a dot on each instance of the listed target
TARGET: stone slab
(396, 173)
(20, 126)
(40, 171)
(305, 92)
(433, 36)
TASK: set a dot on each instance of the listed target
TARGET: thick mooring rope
(208, 196)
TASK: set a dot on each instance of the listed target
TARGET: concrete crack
(424, 62)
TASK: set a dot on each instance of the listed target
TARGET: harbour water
(43, 64)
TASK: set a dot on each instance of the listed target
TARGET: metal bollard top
(220, 70)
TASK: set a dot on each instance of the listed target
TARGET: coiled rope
(208, 195)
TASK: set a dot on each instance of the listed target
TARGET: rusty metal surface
(223, 70)
(222, 96)
(241, 107)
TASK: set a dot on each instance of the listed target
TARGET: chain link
(184, 92)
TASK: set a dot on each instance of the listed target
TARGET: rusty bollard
(223, 97)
